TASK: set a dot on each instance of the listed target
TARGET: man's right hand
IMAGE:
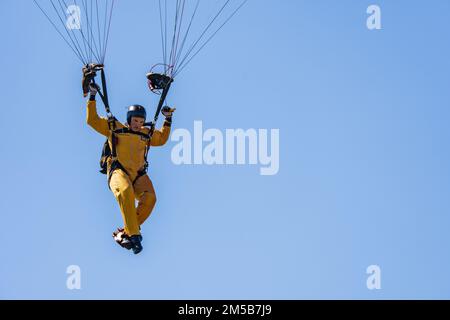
(89, 74)
(93, 89)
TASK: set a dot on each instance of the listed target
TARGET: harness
(111, 153)
(115, 164)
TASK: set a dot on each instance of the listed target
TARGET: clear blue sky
(364, 161)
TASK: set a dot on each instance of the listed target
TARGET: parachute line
(88, 37)
(178, 57)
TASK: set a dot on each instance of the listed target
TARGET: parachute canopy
(83, 24)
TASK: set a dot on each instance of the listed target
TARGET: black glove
(167, 111)
(93, 89)
(88, 75)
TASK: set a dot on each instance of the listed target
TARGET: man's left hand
(167, 111)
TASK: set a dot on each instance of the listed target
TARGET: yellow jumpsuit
(131, 155)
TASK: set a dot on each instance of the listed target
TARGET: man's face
(136, 123)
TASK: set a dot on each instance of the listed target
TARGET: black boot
(122, 239)
(136, 242)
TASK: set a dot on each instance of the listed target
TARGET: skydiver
(127, 176)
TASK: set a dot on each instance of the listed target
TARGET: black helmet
(136, 111)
